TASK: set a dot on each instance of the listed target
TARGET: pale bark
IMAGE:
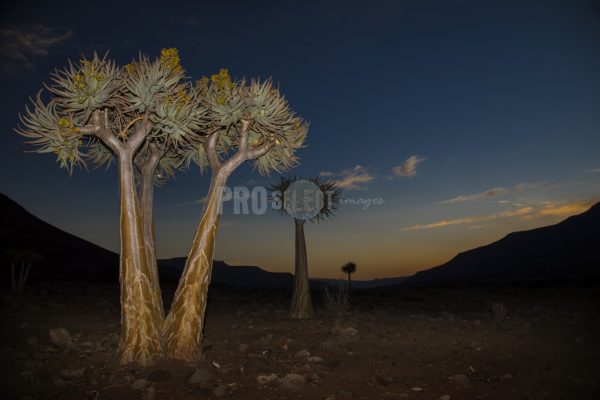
(147, 171)
(140, 314)
(301, 304)
(183, 328)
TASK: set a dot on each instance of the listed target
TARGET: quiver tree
(349, 268)
(248, 121)
(330, 194)
(20, 266)
(97, 112)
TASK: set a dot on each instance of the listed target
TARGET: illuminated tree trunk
(140, 314)
(147, 214)
(301, 304)
(183, 328)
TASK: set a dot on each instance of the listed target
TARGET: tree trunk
(140, 314)
(182, 331)
(301, 304)
(147, 215)
(349, 282)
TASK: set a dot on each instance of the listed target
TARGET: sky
(448, 123)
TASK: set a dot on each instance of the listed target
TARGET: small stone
(507, 377)
(264, 379)
(243, 348)
(139, 384)
(302, 355)
(200, 376)
(220, 391)
(445, 397)
(416, 389)
(315, 359)
(344, 395)
(346, 334)
(460, 378)
(333, 347)
(60, 337)
(292, 382)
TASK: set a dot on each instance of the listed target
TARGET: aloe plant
(142, 113)
(248, 121)
(301, 306)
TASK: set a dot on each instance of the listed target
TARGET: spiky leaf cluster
(144, 87)
(331, 190)
(272, 120)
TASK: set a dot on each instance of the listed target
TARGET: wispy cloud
(493, 192)
(525, 213)
(352, 178)
(409, 167)
(592, 170)
(201, 200)
(21, 47)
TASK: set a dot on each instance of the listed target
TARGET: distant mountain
(69, 258)
(224, 274)
(569, 249)
(65, 257)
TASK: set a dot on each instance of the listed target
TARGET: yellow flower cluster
(66, 128)
(223, 84)
(129, 68)
(202, 86)
(170, 59)
(181, 97)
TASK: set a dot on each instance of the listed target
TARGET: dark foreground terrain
(400, 344)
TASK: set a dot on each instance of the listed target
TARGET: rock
(139, 384)
(264, 379)
(243, 348)
(201, 376)
(332, 347)
(60, 337)
(461, 379)
(315, 359)
(302, 355)
(159, 375)
(346, 334)
(445, 397)
(72, 373)
(416, 389)
(344, 395)
(220, 391)
(379, 380)
(292, 382)
(507, 377)
(313, 377)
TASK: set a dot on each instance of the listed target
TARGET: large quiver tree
(143, 111)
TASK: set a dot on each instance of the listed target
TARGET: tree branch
(101, 129)
(142, 130)
(258, 152)
(211, 150)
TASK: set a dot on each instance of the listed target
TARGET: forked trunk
(182, 331)
(147, 215)
(140, 315)
(301, 304)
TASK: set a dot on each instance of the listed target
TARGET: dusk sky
(469, 119)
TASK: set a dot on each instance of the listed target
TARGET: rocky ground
(526, 343)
